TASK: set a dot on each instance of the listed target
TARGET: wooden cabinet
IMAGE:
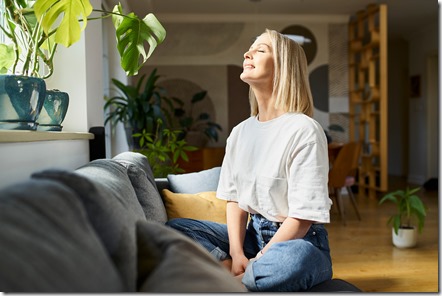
(368, 95)
(203, 159)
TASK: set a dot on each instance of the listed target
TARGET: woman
(275, 171)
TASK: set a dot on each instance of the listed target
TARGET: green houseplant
(139, 107)
(200, 124)
(163, 149)
(409, 207)
(34, 29)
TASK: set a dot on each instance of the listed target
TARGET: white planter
(406, 237)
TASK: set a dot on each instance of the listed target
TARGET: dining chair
(342, 174)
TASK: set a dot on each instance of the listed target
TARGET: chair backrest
(345, 164)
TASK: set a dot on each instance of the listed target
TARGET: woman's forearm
(291, 228)
(236, 227)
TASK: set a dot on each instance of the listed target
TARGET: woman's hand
(239, 264)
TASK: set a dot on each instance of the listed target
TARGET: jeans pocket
(318, 236)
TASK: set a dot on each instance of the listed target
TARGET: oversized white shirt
(278, 168)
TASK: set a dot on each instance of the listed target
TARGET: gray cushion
(170, 262)
(47, 243)
(112, 206)
(139, 160)
(206, 180)
(144, 186)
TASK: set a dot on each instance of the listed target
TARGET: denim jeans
(294, 265)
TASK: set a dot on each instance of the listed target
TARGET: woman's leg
(213, 237)
(290, 266)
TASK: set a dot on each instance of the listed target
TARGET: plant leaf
(131, 33)
(7, 57)
(199, 96)
(69, 30)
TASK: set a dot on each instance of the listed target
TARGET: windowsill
(14, 136)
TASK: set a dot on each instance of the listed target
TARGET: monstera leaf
(68, 31)
(131, 33)
(7, 57)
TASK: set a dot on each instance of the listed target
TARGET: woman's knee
(288, 266)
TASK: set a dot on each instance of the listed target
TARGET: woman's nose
(247, 55)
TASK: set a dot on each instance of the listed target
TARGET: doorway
(432, 117)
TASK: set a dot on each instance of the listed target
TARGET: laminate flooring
(363, 253)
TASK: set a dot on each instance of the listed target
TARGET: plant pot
(406, 237)
(54, 111)
(21, 100)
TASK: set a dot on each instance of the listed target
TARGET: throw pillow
(170, 262)
(200, 206)
(147, 194)
(206, 180)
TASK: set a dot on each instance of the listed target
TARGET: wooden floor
(363, 254)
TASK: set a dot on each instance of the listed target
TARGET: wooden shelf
(14, 136)
(368, 94)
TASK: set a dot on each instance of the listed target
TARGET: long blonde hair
(290, 82)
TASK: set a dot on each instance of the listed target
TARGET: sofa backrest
(47, 243)
(112, 207)
(144, 184)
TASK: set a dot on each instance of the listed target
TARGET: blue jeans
(294, 265)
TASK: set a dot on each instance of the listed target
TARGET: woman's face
(258, 62)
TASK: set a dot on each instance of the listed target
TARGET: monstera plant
(36, 27)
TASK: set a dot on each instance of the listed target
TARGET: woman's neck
(266, 107)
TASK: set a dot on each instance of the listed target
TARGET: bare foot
(227, 264)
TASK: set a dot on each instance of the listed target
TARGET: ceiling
(404, 16)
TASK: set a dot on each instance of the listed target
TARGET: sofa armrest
(162, 183)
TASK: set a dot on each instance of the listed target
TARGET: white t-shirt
(278, 168)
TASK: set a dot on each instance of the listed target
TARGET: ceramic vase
(54, 111)
(406, 237)
(21, 100)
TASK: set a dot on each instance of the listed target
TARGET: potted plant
(36, 27)
(164, 149)
(138, 107)
(197, 129)
(409, 206)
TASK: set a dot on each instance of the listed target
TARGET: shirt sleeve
(226, 187)
(308, 183)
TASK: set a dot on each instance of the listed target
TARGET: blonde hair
(290, 82)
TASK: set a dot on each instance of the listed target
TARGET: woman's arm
(291, 228)
(236, 227)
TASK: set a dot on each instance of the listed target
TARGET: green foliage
(137, 107)
(163, 150)
(408, 205)
(36, 27)
(187, 121)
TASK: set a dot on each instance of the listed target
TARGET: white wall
(422, 44)
(196, 68)
(77, 71)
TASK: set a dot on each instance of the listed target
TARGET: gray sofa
(101, 228)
